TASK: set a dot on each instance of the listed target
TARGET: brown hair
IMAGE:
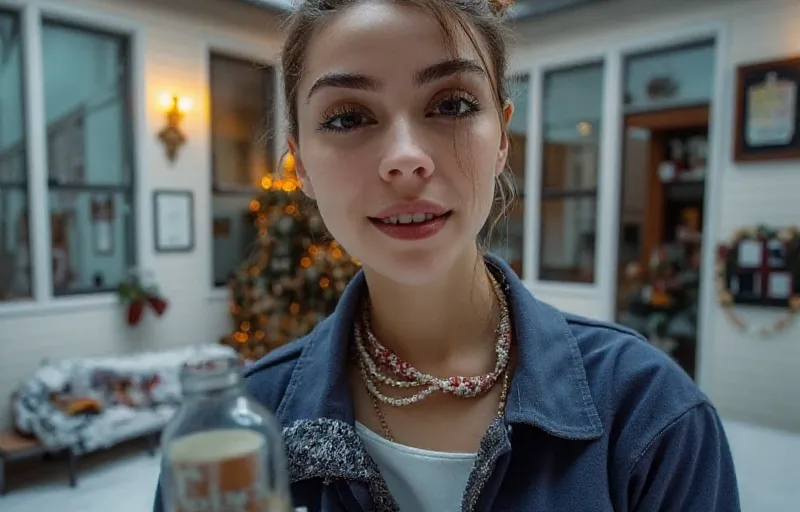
(480, 20)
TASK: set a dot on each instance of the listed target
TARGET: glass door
(666, 122)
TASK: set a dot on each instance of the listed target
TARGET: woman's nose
(406, 157)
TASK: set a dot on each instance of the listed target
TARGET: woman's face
(399, 140)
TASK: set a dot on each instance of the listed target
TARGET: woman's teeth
(409, 219)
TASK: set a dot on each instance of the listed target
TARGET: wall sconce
(171, 135)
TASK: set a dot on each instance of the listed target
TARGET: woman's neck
(446, 325)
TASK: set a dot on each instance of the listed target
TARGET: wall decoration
(137, 291)
(172, 136)
(662, 88)
(760, 267)
(103, 224)
(767, 111)
(173, 215)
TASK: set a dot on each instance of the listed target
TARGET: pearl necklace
(379, 365)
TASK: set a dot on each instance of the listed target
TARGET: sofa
(82, 405)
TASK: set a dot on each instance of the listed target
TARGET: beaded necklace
(379, 365)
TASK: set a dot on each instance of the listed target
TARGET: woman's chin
(412, 268)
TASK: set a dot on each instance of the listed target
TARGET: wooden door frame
(657, 122)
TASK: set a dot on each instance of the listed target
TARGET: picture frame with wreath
(760, 266)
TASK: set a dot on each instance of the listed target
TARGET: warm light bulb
(288, 162)
(165, 100)
(185, 104)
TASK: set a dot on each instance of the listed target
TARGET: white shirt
(419, 480)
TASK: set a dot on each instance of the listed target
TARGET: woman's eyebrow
(446, 69)
(438, 71)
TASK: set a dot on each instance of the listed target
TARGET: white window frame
(613, 52)
(537, 162)
(32, 13)
(263, 53)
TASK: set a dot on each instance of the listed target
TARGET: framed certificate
(768, 111)
(173, 220)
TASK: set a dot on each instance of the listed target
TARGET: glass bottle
(222, 451)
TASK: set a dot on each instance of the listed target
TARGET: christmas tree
(294, 276)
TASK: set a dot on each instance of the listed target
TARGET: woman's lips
(411, 226)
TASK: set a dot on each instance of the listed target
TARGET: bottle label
(220, 470)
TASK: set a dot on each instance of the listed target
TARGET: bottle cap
(210, 373)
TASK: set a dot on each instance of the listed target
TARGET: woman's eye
(345, 121)
(456, 107)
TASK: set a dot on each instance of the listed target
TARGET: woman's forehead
(382, 39)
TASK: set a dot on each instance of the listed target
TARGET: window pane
(519, 90)
(242, 100)
(15, 266)
(670, 77)
(15, 261)
(573, 104)
(242, 131)
(89, 158)
(567, 249)
(86, 105)
(507, 235)
(569, 167)
(234, 233)
(91, 237)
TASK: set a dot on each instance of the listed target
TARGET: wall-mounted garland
(761, 267)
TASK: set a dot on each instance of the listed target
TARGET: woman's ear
(302, 175)
(502, 154)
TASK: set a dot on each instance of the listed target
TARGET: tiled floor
(119, 480)
(124, 480)
(767, 467)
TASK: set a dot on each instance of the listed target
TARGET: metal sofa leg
(2, 476)
(72, 462)
(152, 443)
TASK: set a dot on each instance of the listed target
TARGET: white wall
(170, 54)
(747, 377)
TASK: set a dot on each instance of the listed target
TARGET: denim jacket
(597, 420)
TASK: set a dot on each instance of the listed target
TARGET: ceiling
(522, 9)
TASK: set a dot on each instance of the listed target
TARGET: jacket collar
(549, 389)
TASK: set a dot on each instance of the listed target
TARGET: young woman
(440, 383)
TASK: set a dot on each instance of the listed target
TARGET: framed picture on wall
(768, 111)
(173, 217)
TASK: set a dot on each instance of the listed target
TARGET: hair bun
(501, 6)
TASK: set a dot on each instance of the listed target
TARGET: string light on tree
(295, 274)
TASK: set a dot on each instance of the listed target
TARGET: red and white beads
(379, 365)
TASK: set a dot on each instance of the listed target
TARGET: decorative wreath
(790, 238)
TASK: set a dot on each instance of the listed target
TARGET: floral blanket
(86, 404)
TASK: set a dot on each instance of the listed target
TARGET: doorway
(663, 202)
